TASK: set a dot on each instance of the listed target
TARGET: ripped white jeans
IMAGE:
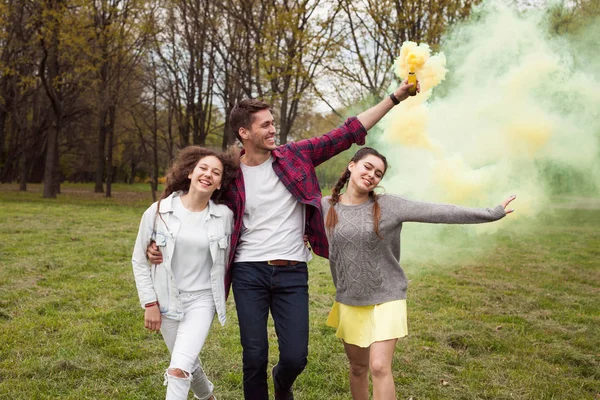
(185, 339)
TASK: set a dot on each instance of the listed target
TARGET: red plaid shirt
(295, 164)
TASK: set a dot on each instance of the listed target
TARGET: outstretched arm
(415, 211)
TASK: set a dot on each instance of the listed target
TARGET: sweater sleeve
(325, 205)
(406, 210)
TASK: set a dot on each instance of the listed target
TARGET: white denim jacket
(157, 282)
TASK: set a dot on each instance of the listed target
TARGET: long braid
(332, 218)
(376, 213)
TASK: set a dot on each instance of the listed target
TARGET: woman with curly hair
(363, 229)
(181, 294)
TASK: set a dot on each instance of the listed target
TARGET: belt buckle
(282, 263)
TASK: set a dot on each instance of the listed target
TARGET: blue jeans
(259, 287)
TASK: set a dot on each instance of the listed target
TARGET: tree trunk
(49, 74)
(51, 161)
(100, 165)
(20, 125)
(284, 128)
(155, 152)
(170, 141)
(2, 136)
(154, 173)
(132, 173)
(23, 173)
(109, 158)
(228, 136)
(57, 175)
(24, 161)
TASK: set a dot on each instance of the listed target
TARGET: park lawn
(519, 321)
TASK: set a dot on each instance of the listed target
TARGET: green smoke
(519, 112)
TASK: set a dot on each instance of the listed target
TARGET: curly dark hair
(186, 161)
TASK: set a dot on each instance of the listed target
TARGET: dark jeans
(258, 288)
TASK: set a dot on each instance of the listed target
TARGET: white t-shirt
(191, 261)
(273, 221)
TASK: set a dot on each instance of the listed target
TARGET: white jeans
(185, 339)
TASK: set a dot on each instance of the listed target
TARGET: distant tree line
(109, 90)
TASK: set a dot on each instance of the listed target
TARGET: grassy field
(520, 320)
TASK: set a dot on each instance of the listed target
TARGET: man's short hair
(242, 113)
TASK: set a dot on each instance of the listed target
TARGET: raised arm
(374, 114)
(353, 131)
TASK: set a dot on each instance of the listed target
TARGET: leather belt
(282, 263)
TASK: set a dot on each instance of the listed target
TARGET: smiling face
(261, 135)
(366, 173)
(206, 175)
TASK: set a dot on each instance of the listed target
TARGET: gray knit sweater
(366, 269)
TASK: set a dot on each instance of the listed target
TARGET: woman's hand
(152, 318)
(402, 92)
(507, 202)
(153, 253)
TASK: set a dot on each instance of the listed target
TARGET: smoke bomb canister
(412, 78)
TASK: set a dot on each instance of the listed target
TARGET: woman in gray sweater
(363, 230)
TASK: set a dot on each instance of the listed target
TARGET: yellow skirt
(364, 325)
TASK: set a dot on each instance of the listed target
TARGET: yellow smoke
(521, 135)
(411, 129)
(457, 181)
(526, 136)
(519, 115)
(409, 120)
(529, 128)
(412, 58)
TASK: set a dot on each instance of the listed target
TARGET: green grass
(518, 319)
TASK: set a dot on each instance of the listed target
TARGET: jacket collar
(166, 205)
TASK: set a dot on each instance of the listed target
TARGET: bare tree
(284, 46)
(301, 45)
(145, 116)
(230, 41)
(568, 16)
(118, 43)
(49, 71)
(187, 57)
(374, 32)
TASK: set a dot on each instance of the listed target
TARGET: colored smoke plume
(518, 112)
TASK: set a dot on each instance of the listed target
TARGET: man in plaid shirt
(276, 204)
